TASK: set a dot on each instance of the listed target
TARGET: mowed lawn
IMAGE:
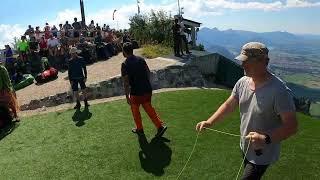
(98, 144)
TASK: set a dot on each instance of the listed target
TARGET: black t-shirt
(33, 45)
(77, 68)
(176, 29)
(138, 72)
(76, 25)
(67, 27)
(29, 31)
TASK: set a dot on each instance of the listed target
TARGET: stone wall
(170, 77)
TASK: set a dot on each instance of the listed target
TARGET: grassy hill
(98, 144)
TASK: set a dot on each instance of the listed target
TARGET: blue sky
(296, 16)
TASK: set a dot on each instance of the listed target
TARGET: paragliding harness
(48, 74)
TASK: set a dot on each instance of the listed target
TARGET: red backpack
(47, 75)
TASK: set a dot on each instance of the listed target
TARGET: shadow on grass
(154, 156)
(80, 117)
(8, 129)
(7, 124)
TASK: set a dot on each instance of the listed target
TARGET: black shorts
(253, 171)
(75, 83)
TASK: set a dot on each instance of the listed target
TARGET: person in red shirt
(43, 47)
(47, 31)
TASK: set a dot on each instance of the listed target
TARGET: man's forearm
(283, 132)
(219, 115)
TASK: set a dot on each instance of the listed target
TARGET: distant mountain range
(229, 42)
(294, 57)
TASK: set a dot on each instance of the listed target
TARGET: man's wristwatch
(267, 139)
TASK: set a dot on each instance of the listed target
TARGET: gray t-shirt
(260, 112)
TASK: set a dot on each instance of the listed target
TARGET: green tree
(15, 43)
(152, 28)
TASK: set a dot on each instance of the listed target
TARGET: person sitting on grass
(7, 93)
(77, 73)
(136, 82)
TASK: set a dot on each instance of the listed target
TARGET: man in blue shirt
(77, 75)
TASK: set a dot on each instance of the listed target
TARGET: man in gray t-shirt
(267, 111)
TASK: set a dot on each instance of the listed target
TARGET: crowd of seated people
(53, 43)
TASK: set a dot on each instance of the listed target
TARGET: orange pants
(145, 101)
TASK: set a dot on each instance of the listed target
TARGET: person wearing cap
(136, 82)
(77, 73)
(267, 111)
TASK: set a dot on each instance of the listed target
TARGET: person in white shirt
(53, 44)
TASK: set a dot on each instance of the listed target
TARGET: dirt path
(97, 72)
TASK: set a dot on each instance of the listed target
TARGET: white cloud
(63, 16)
(194, 9)
(8, 32)
(252, 5)
(301, 4)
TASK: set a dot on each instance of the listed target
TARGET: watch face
(267, 139)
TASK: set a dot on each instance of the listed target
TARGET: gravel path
(97, 72)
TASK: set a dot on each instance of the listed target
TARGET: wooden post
(83, 18)
(193, 36)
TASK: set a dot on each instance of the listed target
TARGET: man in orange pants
(136, 81)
